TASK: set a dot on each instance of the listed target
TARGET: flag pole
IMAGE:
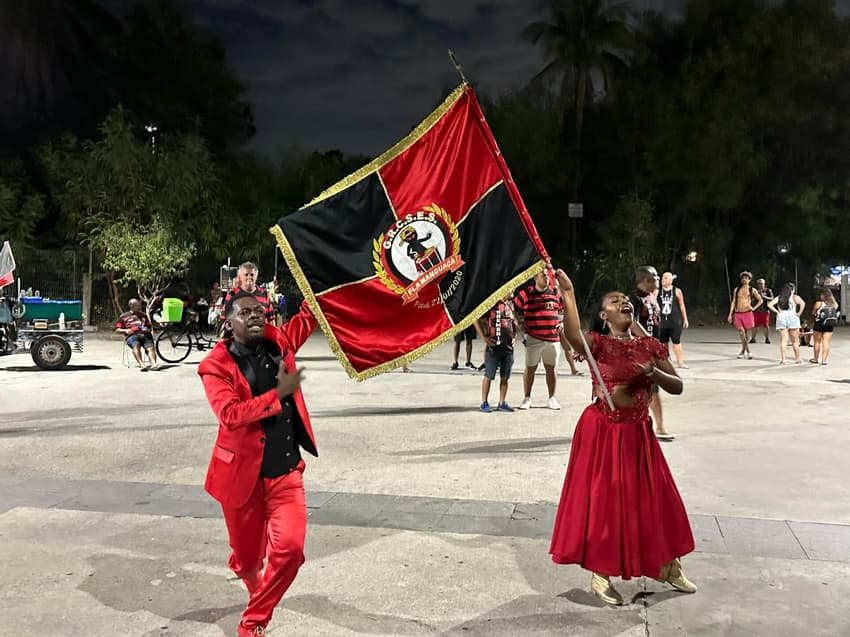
(458, 67)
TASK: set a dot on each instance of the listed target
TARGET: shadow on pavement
(67, 368)
(391, 411)
(513, 446)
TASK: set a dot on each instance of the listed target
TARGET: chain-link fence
(71, 273)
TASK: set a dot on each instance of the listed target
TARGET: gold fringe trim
(479, 311)
(387, 156)
(310, 297)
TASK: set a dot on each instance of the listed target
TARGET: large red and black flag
(416, 245)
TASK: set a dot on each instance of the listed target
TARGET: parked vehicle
(46, 328)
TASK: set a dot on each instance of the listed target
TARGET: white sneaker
(553, 403)
(526, 403)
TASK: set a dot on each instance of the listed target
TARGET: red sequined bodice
(617, 360)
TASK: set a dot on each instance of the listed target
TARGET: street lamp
(784, 249)
(152, 129)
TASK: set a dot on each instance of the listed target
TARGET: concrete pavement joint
(750, 536)
(802, 548)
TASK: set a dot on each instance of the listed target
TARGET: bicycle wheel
(173, 346)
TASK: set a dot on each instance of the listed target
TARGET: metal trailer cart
(46, 328)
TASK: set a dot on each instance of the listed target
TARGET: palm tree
(583, 39)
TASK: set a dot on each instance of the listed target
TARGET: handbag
(828, 316)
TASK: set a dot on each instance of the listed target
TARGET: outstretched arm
(299, 327)
(572, 326)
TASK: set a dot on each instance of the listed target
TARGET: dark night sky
(357, 74)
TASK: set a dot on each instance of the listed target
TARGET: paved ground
(426, 516)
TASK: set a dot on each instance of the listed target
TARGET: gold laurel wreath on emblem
(382, 274)
(379, 268)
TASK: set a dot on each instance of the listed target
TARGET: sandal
(813, 360)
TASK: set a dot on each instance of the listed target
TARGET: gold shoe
(671, 573)
(600, 586)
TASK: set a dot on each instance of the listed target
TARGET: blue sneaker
(485, 407)
(504, 407)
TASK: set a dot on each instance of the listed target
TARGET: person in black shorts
(674, 316)
(497, 329)
(466, 335)
(647, 314)
(826, 314)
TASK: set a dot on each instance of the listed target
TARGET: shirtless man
(741, 310)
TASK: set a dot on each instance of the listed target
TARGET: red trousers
(271, 525)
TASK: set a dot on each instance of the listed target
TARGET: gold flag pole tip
(457, 66)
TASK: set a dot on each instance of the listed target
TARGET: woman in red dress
(620, 512)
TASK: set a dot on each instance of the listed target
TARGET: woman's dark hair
(784, 302)
(597, 324)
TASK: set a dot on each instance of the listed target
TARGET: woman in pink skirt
(620, 512)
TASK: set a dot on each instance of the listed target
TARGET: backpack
(828, 316)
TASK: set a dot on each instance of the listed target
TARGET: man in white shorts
(538, 307)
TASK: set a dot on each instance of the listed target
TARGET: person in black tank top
(674, 316)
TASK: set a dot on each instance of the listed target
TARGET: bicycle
(175, 341)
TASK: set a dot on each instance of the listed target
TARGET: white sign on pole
(575, 210)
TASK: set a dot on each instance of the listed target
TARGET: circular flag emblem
(418, 250)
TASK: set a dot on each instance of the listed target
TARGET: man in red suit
(253, 387)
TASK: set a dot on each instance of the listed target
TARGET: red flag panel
(451, 165)
(385, 331)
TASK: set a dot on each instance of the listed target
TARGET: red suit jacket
(238, 452)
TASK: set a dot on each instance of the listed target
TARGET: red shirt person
(254, 389)
(539, 309)
(246, 281)
(136, 327)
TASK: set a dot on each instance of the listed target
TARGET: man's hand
(685, 324)
(490, 341)
(287, 384)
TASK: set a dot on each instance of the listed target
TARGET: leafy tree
(21, 206)
(116, 186)
(148, 256)
(627, 245)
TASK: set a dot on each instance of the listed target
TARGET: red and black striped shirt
(541, 311)
(262, 298)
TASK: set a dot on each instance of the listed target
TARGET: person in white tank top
(788, 307)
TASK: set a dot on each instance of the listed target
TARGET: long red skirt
(620, 512)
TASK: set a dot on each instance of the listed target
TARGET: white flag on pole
(7, 265)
